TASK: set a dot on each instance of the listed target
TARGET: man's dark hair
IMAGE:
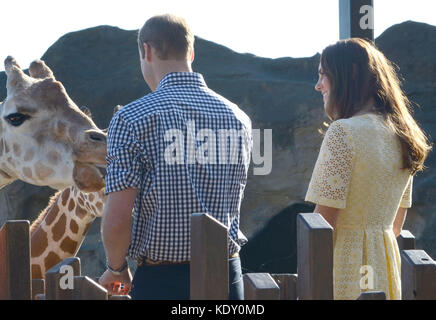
(169, 35)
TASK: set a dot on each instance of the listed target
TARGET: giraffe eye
(17, 119)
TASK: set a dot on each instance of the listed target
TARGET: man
(163, 162)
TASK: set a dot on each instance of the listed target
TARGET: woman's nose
(318, 86)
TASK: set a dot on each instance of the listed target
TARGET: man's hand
(115, 229)
(117, 285)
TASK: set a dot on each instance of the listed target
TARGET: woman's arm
(328, 213)
(399, 221)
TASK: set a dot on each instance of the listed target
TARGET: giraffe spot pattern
(80, 200)
(65, 196)
(62, 128)
(74, 227)
(53, 157)
(42, 171)
(80, 212)
(27, 172)
(36, 271)
(52, 215)
(28, 155)
(17, 149)
(99, 206)
(68, 245)
(59, 228)
(11, 161)
(39, 242)
(71, 205)
(51, 260)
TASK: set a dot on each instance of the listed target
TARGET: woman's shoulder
(353, 129)
(358, 123)
(342, 127)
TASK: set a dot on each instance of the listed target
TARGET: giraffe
(61, 227)
(45, 139)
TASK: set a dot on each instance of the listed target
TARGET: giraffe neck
(61, 228)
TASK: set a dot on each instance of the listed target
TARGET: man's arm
(116, 225)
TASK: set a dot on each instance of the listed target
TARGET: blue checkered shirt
(186, 150)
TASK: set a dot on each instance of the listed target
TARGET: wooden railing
(15, 272)
(209, 269)
(314, 280)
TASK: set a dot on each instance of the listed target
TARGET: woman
(362, 181)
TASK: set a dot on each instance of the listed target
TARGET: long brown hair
(357, 72)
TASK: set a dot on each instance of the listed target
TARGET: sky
(273, 28)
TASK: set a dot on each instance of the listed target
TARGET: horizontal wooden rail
(87, 289)
(287, 284)
(260, 286)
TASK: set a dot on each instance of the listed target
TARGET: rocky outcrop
(100, 69)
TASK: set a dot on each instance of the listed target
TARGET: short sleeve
(125, 158)
(406, 200)
(331, 176)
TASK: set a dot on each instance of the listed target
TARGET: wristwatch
(118, 271)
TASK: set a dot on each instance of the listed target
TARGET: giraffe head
(45, 139)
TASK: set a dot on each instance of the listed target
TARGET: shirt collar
(182, 78)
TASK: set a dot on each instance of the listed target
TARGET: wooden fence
(314, 280)
(209, 269)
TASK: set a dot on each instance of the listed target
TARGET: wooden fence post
(38, 287)
(287, 284)
(418, 275)
(64, 272)
(406, 240)
(314, 257)
(372, 295)
(209, 263)
(15, 274)
(87, 289)
(260, 286)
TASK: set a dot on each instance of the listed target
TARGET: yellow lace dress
(358, 171)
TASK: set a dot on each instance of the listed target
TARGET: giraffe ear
(86, 111)
(39, 70)
(117, 108)
(15, 75)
